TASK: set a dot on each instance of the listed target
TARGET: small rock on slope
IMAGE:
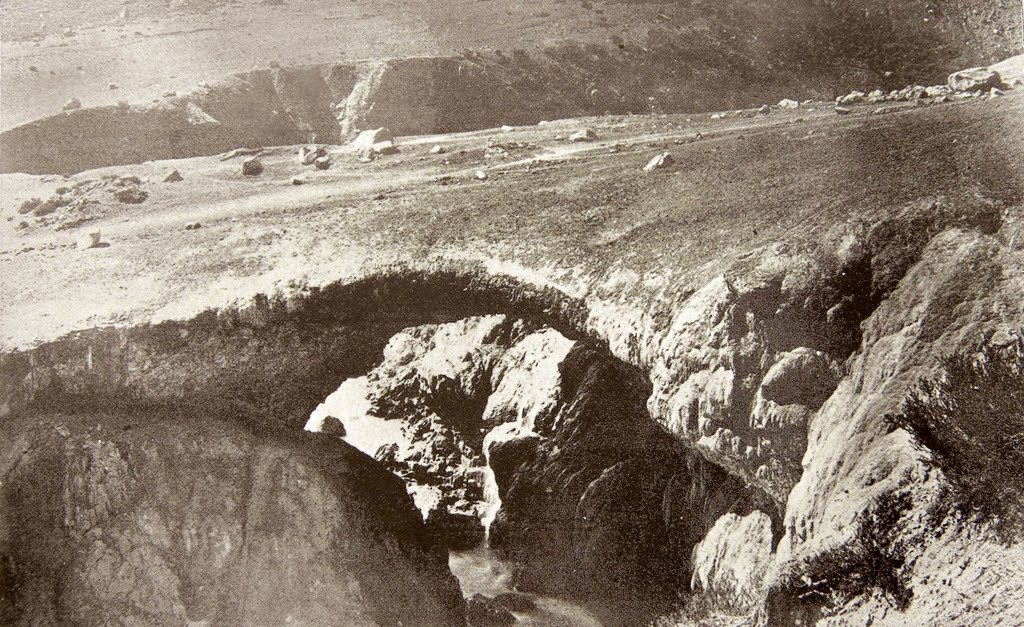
(252, 167)
(657, 162)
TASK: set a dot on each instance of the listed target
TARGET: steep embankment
(176, 516)
(694, 57)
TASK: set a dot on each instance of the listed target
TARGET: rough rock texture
(596, 501)
(171, 517)
(599, 503)
(732, 561)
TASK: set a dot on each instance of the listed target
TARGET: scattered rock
(995, 92)
(366, 140)
(876, 96)
(333, 426)
(91, 239)
(252, 167)
(936, 91)
(309, 154)
(437, 149)
(173, 177)
(322, 163)
(583, 135)
(112, 86)
(482, 611)
(380, 196)
(786, 103)
(974, 78)
(659, 161)
(851, 98)
(480, 175)
(33, 68)
(843, 110)
(505, 128)
(192, 226)
(170, 94)
(72, 104)
(764, 110)
(515, 602)
(296, 180)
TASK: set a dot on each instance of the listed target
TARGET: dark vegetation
(873, 560)
(972, 422)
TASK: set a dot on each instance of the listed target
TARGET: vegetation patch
(873, 560)
(971, 420)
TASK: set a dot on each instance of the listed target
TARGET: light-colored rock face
(734, 558)
(150, 519)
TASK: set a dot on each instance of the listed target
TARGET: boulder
(366, 140)
(480, 175)
(437, 149)
(843, 110)
(659, 161)
(72, 104)
(786, 103)
(852, 98)
(386, 147)
(333, 426)
(973, 79)
(936, 91)
(89, 240)
(876, 96)
(483, 611)
(583, 135)
(297, 180)
(193, 226)
(309, 154)
(322, 163)
(252, 166)
(173, 177)
(764, 110)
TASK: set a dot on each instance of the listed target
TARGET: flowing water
(481, 571)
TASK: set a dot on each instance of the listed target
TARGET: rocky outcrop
(594, 500)
(160, 516)
(733, 560)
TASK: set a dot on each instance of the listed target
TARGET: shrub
(29, 205)
(971, 420)
(874, 559)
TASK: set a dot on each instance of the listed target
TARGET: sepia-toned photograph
(486, 313)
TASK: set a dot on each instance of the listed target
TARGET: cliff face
(176, 517)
